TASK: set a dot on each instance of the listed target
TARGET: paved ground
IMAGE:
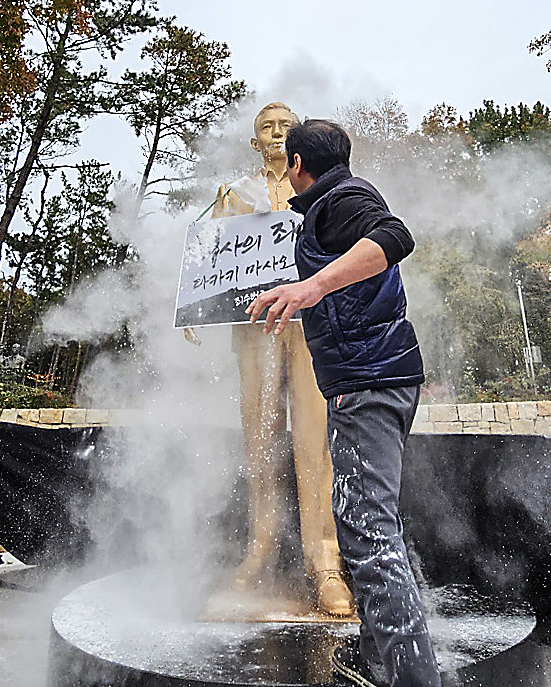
(25, 625)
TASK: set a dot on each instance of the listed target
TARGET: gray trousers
(367, 431)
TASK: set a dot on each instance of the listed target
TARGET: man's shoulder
(356, 186)
(353, 191)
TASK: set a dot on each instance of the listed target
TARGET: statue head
(270, 128)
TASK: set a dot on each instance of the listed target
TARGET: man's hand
(283, 302)
(364, 260)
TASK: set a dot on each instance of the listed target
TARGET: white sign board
(228, 262)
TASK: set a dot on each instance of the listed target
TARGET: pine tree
(65, 93)
(186, 87)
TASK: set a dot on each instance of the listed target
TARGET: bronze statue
(265, 363)
(12, 366)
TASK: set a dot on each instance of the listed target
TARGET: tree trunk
(36, 308)
(53, 366)
(122, 252)
(69, 357)
(81, 357)
(73, 269)
(14, 198)
(6, 322)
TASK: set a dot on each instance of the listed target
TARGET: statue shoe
(248, 574)
(256, 569)
(333, 595)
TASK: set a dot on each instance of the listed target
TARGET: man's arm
(361, 213)
(365, 259)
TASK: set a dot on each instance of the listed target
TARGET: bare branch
(82, 165)
(167, 179)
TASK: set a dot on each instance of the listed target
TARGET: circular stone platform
(118, 631)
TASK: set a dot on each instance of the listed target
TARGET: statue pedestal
(120, 631)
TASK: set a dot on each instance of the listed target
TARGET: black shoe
(348, 663)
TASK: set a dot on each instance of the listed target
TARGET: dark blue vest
(358, 336)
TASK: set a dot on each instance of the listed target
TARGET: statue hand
(191, 336)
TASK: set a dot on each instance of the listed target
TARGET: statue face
(270, 131)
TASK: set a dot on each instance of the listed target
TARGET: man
(368, 367)
(270, 369)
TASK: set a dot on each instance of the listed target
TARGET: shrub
(17, 395)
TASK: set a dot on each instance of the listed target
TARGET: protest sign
(228, 262)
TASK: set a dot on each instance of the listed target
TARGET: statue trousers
(276, 372)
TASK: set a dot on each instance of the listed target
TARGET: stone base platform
(121, 631)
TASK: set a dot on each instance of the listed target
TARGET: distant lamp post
(536, 354)
(532, 354)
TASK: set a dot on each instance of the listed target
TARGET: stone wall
(528, 417)
(56, 418)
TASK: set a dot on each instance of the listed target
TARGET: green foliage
(50, 119)
(532, 266)
(490, 127)
(516, 387)
(17, 395)
(473, 330)
(540, 46)
(22, 312)
(16, 77)
(472, 335)
(185, 88)
(475, 340)
(465, 303)
(88, 246)
(71, 239)
(473, 321)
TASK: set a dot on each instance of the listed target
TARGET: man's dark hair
(321, 145)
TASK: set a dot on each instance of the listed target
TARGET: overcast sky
(317, 55)
(422, 51)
